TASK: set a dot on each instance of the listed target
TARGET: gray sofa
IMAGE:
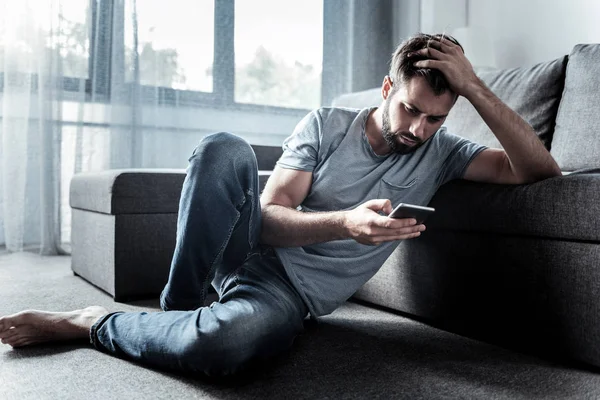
(514, 265)
(517, 266)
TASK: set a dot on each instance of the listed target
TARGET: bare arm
(284, 226)
(524, 158)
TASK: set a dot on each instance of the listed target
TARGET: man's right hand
(365, 225)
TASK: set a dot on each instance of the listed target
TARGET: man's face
(412, 113)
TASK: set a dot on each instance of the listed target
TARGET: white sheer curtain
(88, 85)
(31, 103)
(64, 112)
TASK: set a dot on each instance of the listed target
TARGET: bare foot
(32, 326)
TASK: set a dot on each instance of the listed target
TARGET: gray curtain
(357, 45)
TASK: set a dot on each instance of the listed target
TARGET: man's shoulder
(443, 143)
(338, 111)
(445, 138)
(337, 116)
(443, 134)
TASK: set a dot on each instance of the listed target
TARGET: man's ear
(386, 87)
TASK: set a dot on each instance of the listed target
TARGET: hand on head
(448, 57)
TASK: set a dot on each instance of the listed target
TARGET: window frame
(100, 74)
(222, 95)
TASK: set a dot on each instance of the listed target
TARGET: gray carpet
(357, 352)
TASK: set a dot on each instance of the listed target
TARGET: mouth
(407, 141)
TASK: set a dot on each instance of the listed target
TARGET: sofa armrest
(564, 207)
(132, 191)
(128, 191)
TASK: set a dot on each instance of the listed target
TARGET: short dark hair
(402, 68)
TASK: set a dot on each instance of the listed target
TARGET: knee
(224, 145)
(218, 355)
(223, 151)
(233, 348)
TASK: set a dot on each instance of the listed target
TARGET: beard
(391, 138)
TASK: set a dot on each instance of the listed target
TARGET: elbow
(552, 171)
(544, 170)
(271, 228)
(553, 168)
(556, 171)
(542, 175)
(265, 237)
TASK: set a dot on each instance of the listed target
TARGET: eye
(411, 110)
(434, 120)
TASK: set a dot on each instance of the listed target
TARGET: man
(320, 229)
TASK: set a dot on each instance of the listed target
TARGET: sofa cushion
(267, 156)
(533, 92)
(133, 191)
(128, 191)
(576, 144)
(564, 207)
(146, 191)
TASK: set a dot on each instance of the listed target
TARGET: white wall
(442, 16)
(522, 32)
(526, 32)
(407, 19)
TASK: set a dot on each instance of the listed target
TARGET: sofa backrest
(533, 92)
(362, 99)
(267, 156)
(576, 143)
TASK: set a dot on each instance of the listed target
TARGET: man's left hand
(449, 58)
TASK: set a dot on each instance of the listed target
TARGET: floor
(357, 352)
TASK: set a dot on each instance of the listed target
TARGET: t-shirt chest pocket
(396, 192)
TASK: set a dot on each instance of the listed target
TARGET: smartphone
(419, 213)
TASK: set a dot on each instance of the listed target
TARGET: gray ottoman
(123, 229)
(124, 225)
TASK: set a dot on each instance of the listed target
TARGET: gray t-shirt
(331, 143)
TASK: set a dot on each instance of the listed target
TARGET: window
(258, 54)
(175, 48)
(279, 52)
(227, 53)
(67, 31)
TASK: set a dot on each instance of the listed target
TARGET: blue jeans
(258, 314)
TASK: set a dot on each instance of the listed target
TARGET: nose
(417, 127)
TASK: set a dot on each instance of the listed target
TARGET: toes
(11, 337)
(21, 318)
(19, 342)
(12, 340)
(6, 341)
(5, 324)
(11, 333)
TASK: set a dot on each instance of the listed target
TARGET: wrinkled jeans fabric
(258, 313)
